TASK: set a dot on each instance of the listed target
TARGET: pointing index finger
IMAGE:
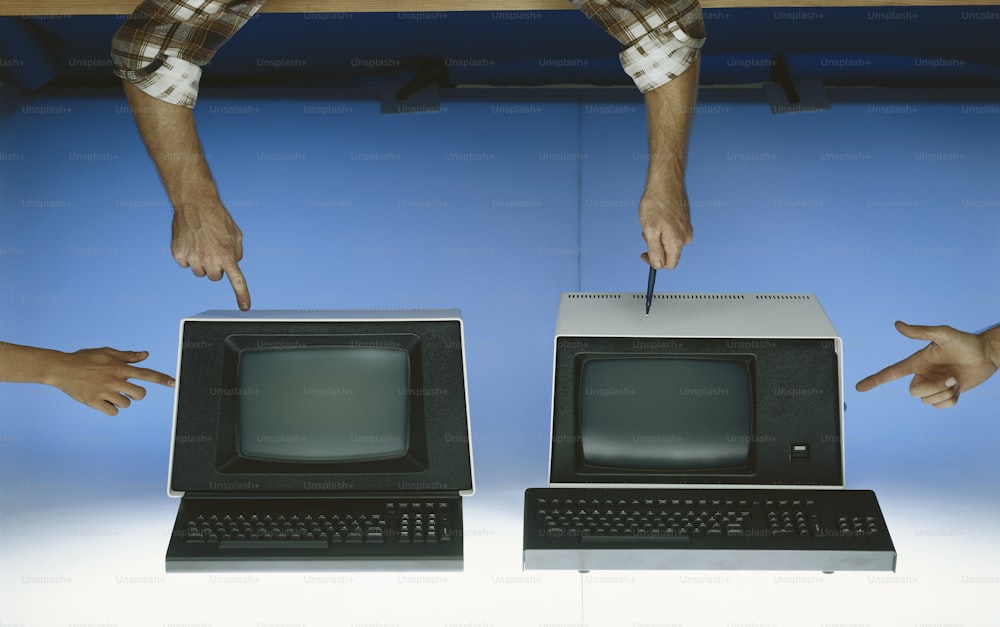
(153, 376)
(239, 283)
(887, 374)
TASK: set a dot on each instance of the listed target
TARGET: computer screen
(642, 411)
(324, 404)
(738, 389)
(289, 402)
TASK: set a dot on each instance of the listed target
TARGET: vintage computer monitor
(328, 440)
(731, 392)
(723, 389)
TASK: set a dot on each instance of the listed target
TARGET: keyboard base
(269, 534)
(286, 565)
(775, 530)
(707, 559)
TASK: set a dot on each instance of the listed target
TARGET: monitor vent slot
(783, 297)
(690, 297)
(595, 296)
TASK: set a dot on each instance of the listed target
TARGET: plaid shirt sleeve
(161, 47)
(660, 38)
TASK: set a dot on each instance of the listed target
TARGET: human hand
(666, 228)
(99, 377)
(210, 243)
(952, 363)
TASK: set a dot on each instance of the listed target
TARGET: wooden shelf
(121, 7)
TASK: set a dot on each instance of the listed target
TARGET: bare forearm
(205, 237)
(991, 344)
(664, 213)
(171, 138)
(669, 113)
(27, 364)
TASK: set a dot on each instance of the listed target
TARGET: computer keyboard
(317, 534)
(705, 529)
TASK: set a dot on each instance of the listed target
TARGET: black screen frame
(782, 418)
(205, 455)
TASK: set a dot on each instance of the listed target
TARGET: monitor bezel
(769, 467)
(203, 442)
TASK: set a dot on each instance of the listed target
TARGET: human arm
(158, 53)
(664, 211)
(96, 377)
(204, 236)
(660, 51)
(953, 362)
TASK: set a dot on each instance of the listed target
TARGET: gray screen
(665, 413)
(329, 403)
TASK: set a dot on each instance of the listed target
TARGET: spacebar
(274, 544)
(617, 539)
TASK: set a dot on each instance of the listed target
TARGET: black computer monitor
(735, 391)
(293, 402)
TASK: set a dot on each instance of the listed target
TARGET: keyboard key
(244, 543)
(633, 539)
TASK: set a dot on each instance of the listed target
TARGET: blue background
(884, 207)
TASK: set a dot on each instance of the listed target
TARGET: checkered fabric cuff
(170, 79)
(660, 56)
(660, 38)
(163, 45)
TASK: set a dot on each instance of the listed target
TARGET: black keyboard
(705, 529)
(317, 534)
